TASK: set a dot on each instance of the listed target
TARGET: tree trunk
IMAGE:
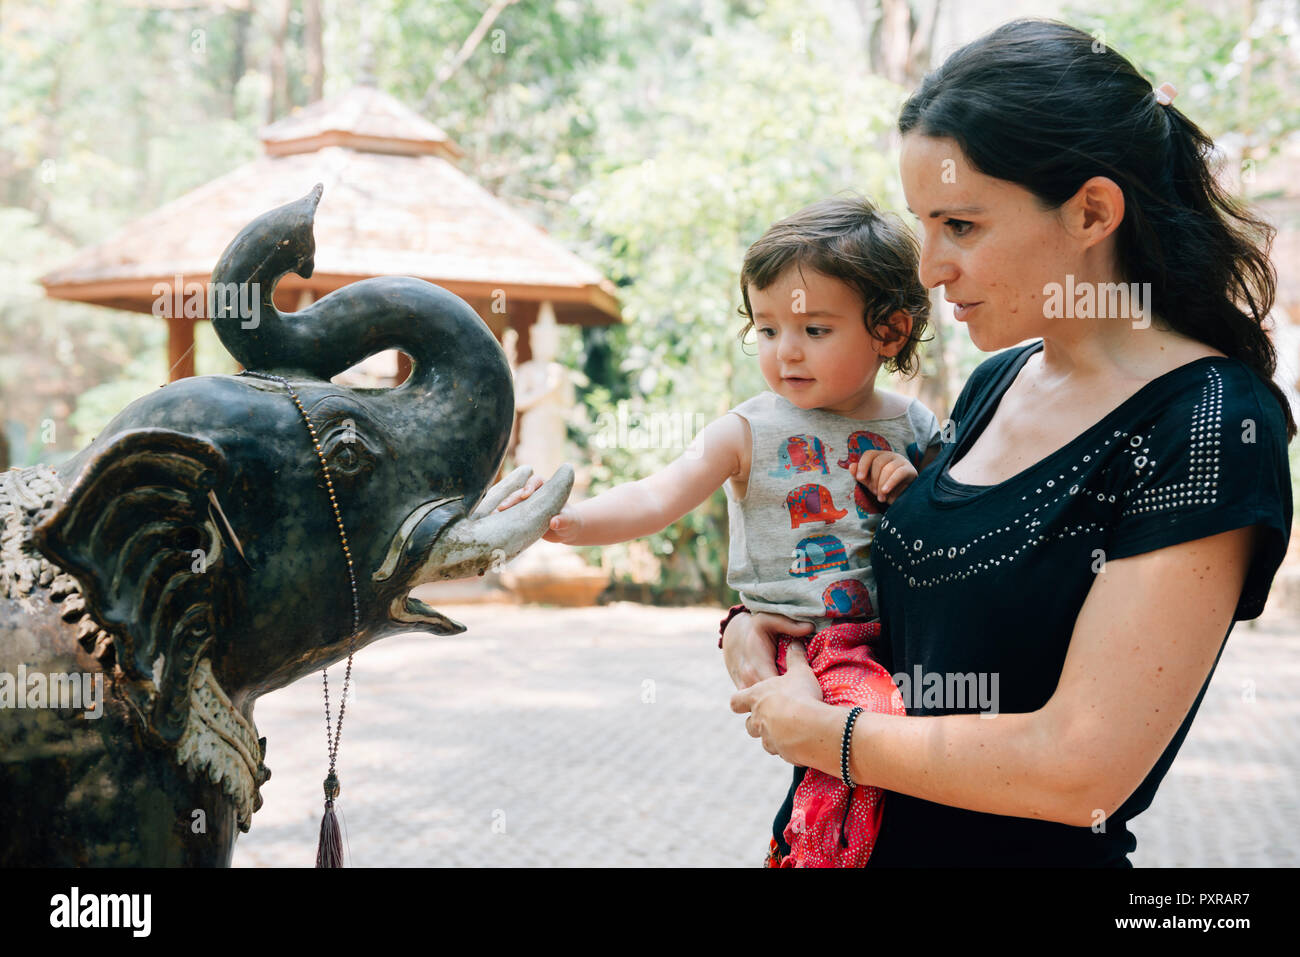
(278, 105)
(898, 42)
(315, 49)
(239, 61)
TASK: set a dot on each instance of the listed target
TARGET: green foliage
(1204, 48)
(674, 207)
(106, 112)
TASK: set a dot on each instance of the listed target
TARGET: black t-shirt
(990, 579)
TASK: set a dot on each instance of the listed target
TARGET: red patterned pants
(829, 825)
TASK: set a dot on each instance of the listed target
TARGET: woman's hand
(749, 645)
(781, 708)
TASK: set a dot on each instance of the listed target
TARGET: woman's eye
(960, 227)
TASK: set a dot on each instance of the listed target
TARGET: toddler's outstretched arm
(648, 505)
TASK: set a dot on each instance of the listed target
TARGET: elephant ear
(137, 529)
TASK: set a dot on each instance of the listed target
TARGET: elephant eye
(347, 452)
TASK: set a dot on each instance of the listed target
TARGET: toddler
(808, 467)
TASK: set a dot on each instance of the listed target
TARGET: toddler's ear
(898, 328)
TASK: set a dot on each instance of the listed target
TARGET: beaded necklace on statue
(329, 851)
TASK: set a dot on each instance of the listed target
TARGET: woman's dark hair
(849, 239)
(1042, 104)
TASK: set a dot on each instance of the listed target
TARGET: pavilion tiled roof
(393, 204)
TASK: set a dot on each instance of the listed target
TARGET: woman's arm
(1143, 645)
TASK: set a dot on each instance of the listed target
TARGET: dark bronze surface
(197, 526)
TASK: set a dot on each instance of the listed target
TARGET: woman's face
(986, 241)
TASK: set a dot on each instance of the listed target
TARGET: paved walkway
(602, 736)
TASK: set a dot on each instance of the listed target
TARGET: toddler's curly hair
(849, 239)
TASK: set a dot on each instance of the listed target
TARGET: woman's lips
(961, 310)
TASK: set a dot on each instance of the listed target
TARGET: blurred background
(647, 141)
(587, 174)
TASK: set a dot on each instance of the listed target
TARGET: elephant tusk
(472, 546)
(398, 543)
(224, 524)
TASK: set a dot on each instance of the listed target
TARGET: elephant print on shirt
(847, 598)
(860, 442)
(800, 453)
(812, 503)
(866, 503)
(820, 553)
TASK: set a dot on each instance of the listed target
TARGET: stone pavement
(601, 736)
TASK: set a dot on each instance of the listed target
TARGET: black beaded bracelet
(844, 748)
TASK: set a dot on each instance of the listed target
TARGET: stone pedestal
(552, 574)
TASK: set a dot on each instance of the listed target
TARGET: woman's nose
(937, 268)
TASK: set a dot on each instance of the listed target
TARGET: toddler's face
(813, 347)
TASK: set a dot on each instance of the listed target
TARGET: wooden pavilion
(394, 204)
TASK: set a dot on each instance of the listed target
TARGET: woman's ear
(1096, 210)
(895, 331)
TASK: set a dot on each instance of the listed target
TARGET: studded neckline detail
(1089, 474)
(950, 492)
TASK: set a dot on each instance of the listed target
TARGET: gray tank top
(801, 536)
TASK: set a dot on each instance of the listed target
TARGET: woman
(1111, 497)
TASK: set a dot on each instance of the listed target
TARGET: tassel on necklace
(329, 852)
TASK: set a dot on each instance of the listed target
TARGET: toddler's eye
(767, 333)
(818, 332)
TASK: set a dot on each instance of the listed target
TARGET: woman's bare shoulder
(1180, 352)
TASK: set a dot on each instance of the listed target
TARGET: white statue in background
(544, 397)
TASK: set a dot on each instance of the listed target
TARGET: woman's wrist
(821, 736)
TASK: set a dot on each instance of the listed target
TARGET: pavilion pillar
(522, 317)
(180, 348)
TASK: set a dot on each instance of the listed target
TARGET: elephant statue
(191, 559)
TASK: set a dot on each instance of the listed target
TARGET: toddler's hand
(514, 498)
(564, 527)
(885, 473)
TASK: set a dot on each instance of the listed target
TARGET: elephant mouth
(438, 542)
